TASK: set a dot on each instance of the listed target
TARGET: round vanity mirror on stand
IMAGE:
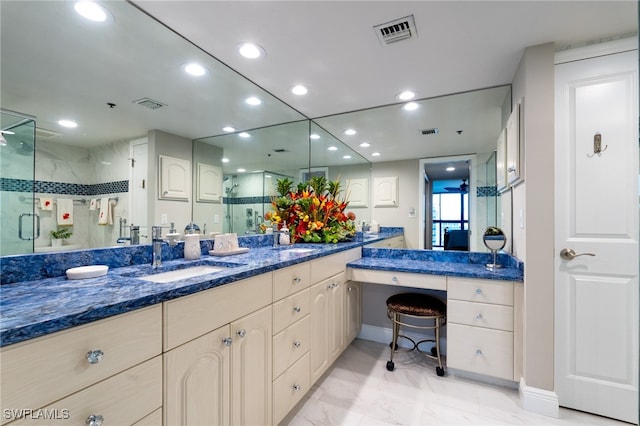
(494, 239)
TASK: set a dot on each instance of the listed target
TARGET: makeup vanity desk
(484, 307)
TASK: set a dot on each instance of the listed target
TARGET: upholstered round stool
(421, 307)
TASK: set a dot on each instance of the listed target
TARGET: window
(450, 212)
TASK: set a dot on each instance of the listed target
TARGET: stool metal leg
(394, 342)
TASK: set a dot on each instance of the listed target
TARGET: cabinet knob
(297, 280)
(349, 288)
(94, 356)
(332, 286)
(227, 341)
(296, 344)
(94, 420)
(297, 309)
(478, 291)
(394, 279)
(478, 316)
(297, 388)
(478, 352)
(241, 333)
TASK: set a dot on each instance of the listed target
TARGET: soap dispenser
(285, 239)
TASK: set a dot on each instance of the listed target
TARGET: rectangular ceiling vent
(433, 131)
(396, 30)
(46, 134)
(149, 103)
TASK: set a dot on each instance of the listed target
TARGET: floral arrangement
(313, 211)
(61, 233)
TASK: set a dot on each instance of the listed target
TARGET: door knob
(570, 254)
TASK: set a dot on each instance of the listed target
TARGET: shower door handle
(37, 227)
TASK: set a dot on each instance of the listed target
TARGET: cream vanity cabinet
(483, 326)
(393, 242)
(109, 370)
(218, 359)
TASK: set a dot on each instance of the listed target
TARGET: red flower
(66, 216)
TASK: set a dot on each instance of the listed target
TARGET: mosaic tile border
(487, 191)
(44, 187)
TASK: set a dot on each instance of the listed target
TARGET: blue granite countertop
(37, 299)
(450, 263)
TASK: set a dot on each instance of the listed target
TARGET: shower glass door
(18, 221)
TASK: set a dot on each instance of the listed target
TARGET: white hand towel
(65, 211)
(46, 203)
(106, 212)
(93, 204)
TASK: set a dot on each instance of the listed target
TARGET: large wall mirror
(123, 83)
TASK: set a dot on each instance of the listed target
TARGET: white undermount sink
(182, 274)
(294, 249)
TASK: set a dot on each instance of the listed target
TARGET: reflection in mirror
(119, 81)
(494, 239)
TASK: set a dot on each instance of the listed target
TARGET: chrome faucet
(156, 239)
(276, 235)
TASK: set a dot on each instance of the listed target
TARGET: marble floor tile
(358, 390)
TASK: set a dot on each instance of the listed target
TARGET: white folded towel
(93, 204)
(64, 211)
(46, 203)
(106, 212)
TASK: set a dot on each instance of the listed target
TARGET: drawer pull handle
(297, 309)
(94, 420)
(479, 316)
(297, 280)
(478, 352)
(478, 291)
(95, 356)
(241, 333)
(394, 279)
(332, 286)
(297, 388)
(296, 344)
(227, 341)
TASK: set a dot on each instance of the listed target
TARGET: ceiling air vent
(149, 103)
(433, 131)
(396, 30)
(46, 134)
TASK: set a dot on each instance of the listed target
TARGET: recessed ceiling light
(195, 69)
(68, 123)
(410, 106)
(228, 129)
(253, 101)
(346, 157)
(242, 170)
(92, 11)
(244, 135)
(332, 148)
(299, 90)
(375, 154)
(450, 168)
(250, 50)
(314, 136)
(350, 132)
(406, 95)
(225, 160)
(365, 145)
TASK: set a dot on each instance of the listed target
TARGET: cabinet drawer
(480, 350)
(327, 266)
(289, 310)
(290, 387)
(121, 400)
(499, 317)
(403, 279)
(290, 344)
(191, 316)
(484, 291)
(40, 371)
(153, 419)
(288, 281)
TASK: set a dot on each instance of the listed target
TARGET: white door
(138, 190)
(596, 307)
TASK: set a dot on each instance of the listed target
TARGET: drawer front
(499, 317)
(289, 310)
(153, 419)
(290, 344)
(290, 387)
(483, 291)
(403, 279)
(327, 266)
(191, 316)
(121, 400)
(288, 281)
(480, 350)
(40, 371)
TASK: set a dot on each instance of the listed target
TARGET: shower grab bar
(37, 228)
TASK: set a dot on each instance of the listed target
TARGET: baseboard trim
(539, 401)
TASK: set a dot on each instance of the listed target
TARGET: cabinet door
(175, 178)
(197, 386)
(209, 183)
(385, 192)
(353, 310)
(251, 365)
(513, 146)
(327, 324)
